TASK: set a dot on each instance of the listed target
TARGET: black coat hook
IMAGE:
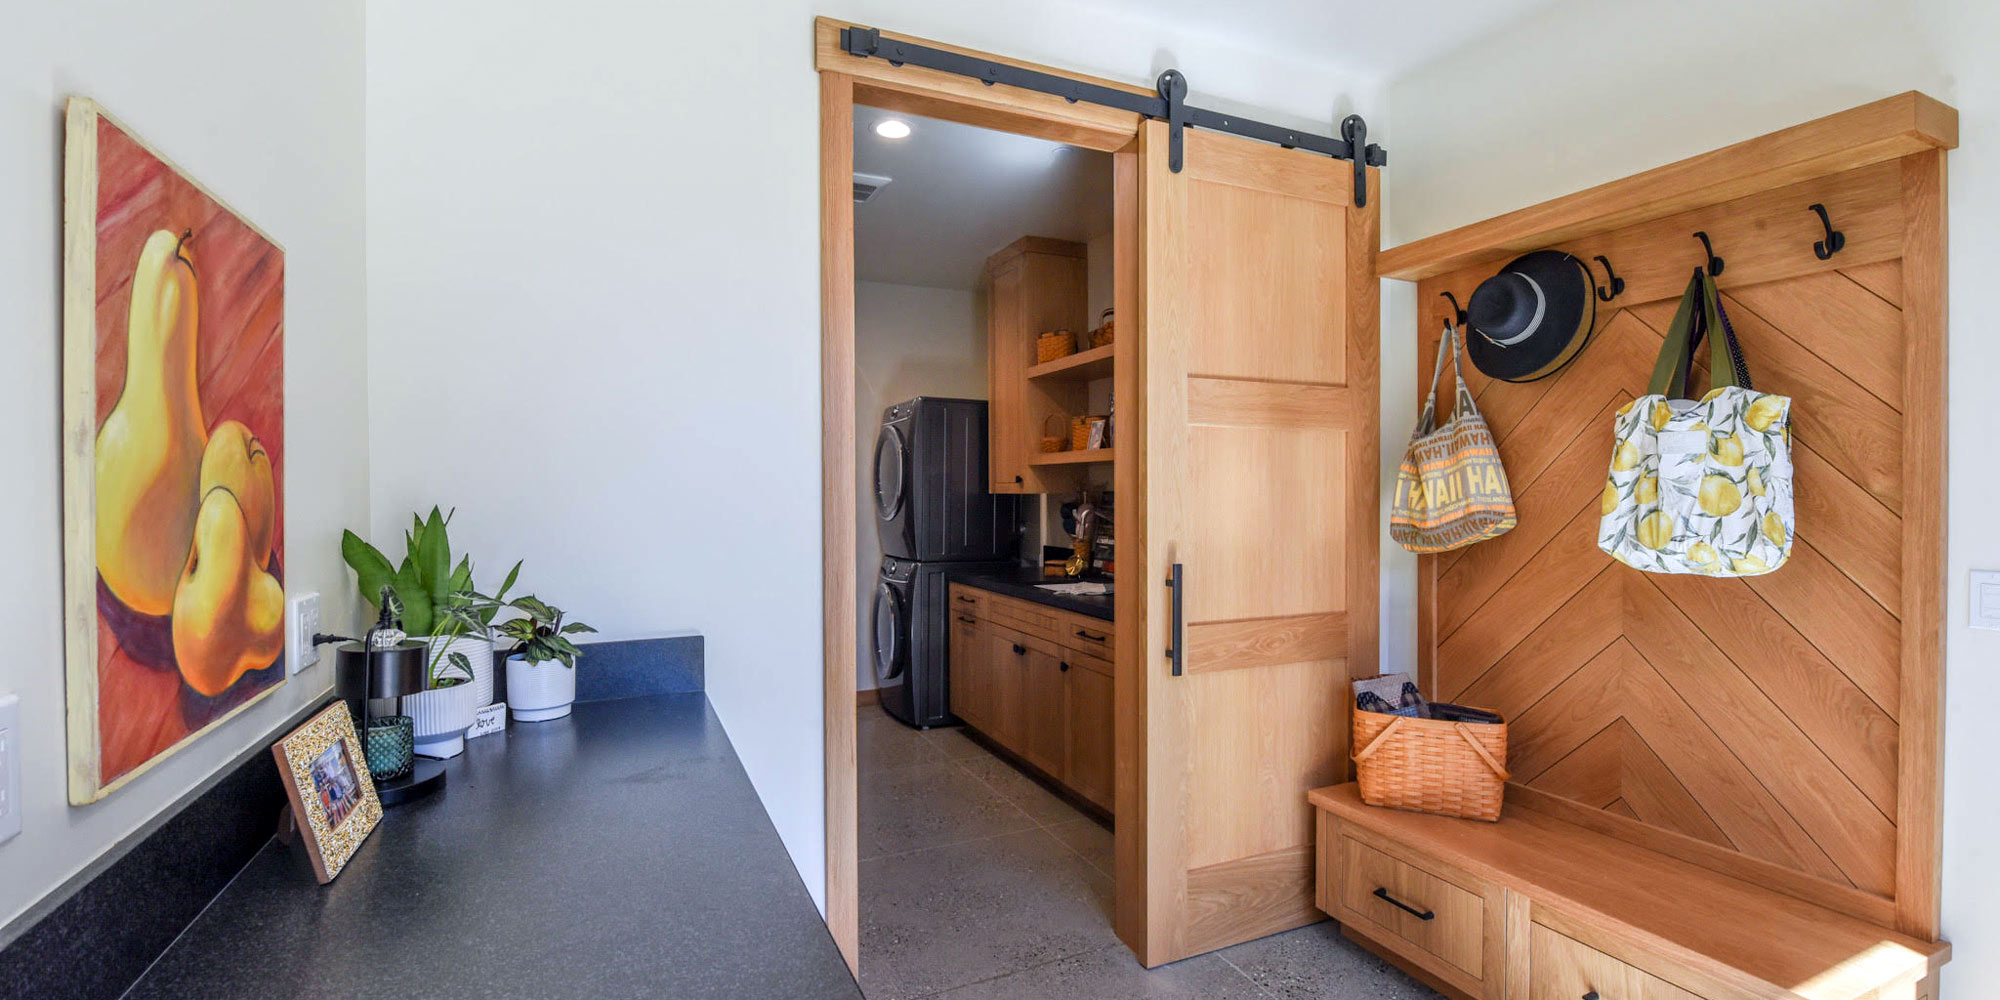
(1714, 262)
(1458, 314)
(1835, 239)
(1617, 283)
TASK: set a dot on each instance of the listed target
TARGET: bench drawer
(1563, 968)
(1424, 909)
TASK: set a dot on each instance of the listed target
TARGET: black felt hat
(1532, 318)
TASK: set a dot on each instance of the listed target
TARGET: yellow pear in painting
(149, 448)
(237, 461)
(229, 615)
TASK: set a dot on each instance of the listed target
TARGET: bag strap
(1670, 371)
(1428, 421)
(1737, 373)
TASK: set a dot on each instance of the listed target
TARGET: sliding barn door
(1258, 311)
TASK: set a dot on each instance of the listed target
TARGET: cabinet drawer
(1087, 635)
(1563, 968)
(1033, 619)
(1395, 897)
(968, 601)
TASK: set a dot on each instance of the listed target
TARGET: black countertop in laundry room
(1021, 583)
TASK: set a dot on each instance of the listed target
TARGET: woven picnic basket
(1430, 765)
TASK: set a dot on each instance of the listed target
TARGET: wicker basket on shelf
(1430, 765)
(1054, 344)
(1052, 433)
(1105, 331)
(1079, 432)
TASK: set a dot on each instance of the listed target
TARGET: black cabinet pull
(1065, 666)
(1020, 650)
(1093, 638)
(1383, 895)
(1592, 995)
(967, 600)
(967, 620)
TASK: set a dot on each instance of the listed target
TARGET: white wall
(603, 219)
(262, 102)
(1592, 91)
(908, 341)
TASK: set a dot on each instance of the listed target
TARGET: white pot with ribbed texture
(538, 692)
(442, 715)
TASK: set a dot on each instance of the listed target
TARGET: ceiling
(1374, 40)
(958, 193)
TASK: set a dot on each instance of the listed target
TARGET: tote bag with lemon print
(1700, 486)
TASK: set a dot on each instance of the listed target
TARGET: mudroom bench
(1536, 908)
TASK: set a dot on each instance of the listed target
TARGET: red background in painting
(143, 707)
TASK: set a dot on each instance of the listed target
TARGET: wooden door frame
(845, 81)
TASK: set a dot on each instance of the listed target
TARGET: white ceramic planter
(538, 692)
(442, 715)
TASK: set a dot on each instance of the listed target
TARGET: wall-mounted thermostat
(1985, 598)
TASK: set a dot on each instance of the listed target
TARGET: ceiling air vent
(867, 185)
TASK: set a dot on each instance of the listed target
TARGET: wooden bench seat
(1536, 908)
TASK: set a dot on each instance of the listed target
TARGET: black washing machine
(930, 484)
(911, 643)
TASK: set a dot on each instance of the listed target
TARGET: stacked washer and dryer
(934, 516)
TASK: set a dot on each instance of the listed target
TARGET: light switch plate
(10, 767)
(1985, 598)
(305, 625)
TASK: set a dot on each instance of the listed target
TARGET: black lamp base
(426, 777)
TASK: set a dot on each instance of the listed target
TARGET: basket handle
(1387, 731)
(1465, 731)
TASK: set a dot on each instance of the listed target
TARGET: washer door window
(891, 625)
(890, 453)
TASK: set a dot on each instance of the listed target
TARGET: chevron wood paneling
(1750, 724)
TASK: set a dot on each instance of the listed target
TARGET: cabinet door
(1043, 730)
(1009, 664)
(971, 655)
(1006, 402)
(1087, 727)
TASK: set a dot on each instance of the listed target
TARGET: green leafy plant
(540, 634)
(430, 596)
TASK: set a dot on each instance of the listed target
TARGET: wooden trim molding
(1885, 130)
(837, 488)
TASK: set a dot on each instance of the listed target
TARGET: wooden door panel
(1259, 415)
(1088, 761)
(1043, 727)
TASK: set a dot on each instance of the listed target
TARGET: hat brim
(1566, 327)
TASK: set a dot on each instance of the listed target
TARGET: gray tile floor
(978, 884)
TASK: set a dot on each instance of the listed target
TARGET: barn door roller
(1167, 105)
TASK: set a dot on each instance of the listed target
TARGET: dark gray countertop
(618, 853)
(1021, 584)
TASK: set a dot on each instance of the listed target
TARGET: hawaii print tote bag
(1700, 485)
(1451, 490)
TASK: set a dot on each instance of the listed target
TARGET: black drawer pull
(1020, 650)
(1086, 635)
(1592, 995)
(968, 600)
(1383, 895)
(968, 620)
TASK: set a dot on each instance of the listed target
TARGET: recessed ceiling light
(892, 128)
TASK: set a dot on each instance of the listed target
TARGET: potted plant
(541, 669)
(436, 602)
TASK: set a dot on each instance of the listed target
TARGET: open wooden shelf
(1082, 366)
(1084, 456)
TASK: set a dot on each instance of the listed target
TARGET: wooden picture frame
(173, 402)
(333, 797)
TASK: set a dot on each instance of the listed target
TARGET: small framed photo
(333, 799)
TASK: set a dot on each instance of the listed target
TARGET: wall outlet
(1985, 598)
(305, 625)
(10, 767)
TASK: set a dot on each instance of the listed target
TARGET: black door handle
(1383, 895)
(1020, 650)
(1176, 637)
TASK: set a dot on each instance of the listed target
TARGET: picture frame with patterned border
(326, 777)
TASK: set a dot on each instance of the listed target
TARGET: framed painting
(173, 456)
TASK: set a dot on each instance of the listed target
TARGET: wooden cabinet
(1088, 761)
(1037, 681)
(1033, 286)
(1563, 969)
